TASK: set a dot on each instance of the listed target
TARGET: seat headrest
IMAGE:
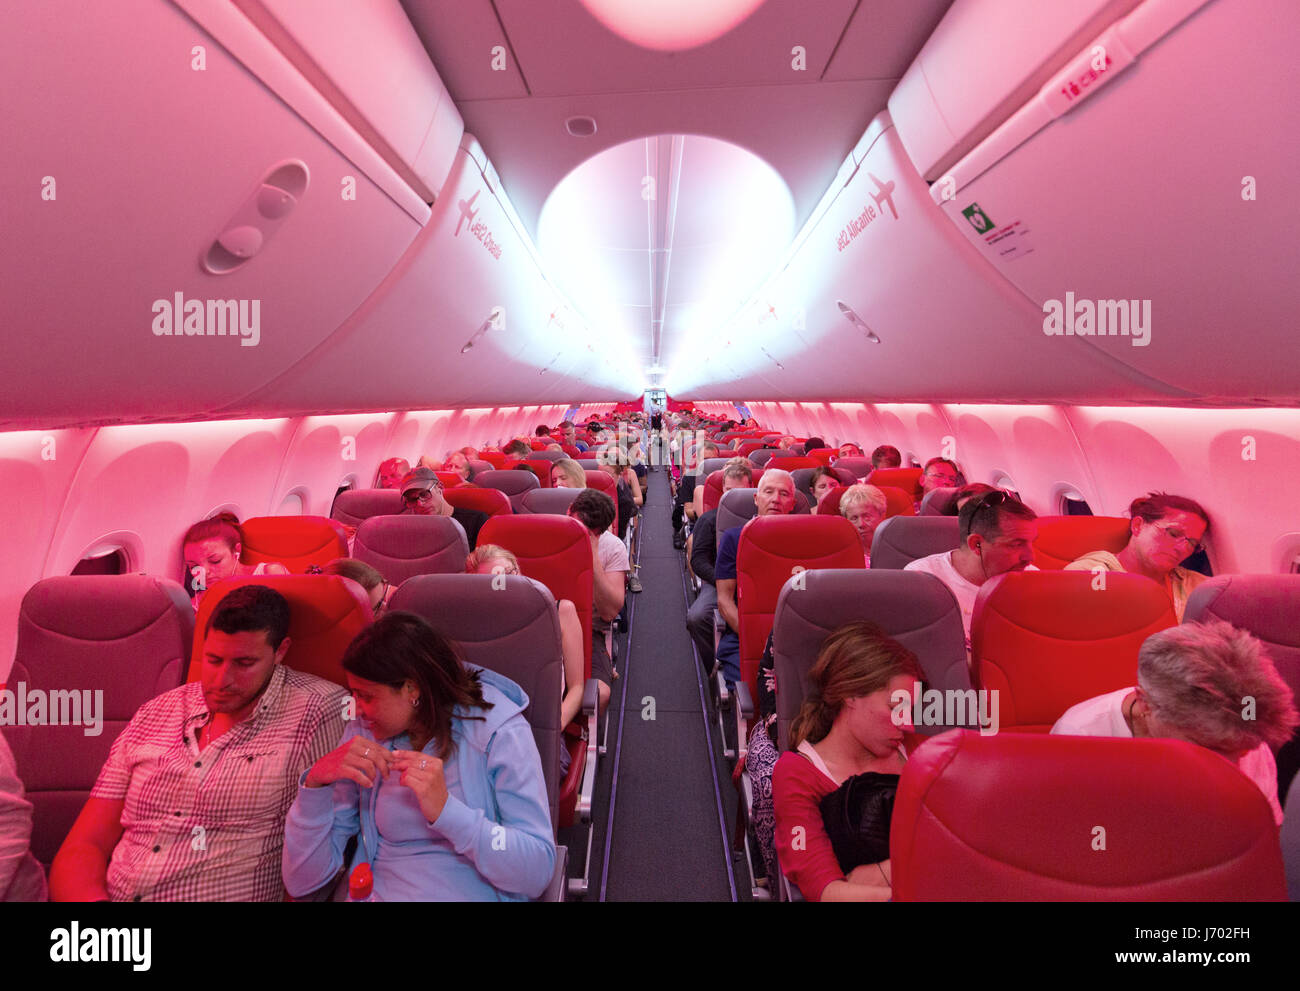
(1022, 817)
(355, 505)
(294, 541)
(400, 547)
(1061, 539)
(553, 501)
(939, 502)
(900, 540)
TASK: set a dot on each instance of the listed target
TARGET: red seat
(1017, 817)
(494, 502)
(603, 481)
(1061, 539)
(556, 551)
(790, 464)
(538, 445)
(771, 550)
(571, 451)
(747, 447)
(822, 455)
(897, 502)
(449, 479)
(294, 541)
(830, 502)
(713, 487)
(907, 479)
(495, 458)
(1047, 640)
(541, 467)
(326, 613)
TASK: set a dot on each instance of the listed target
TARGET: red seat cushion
(790, 464)
(494, 502)
(907, 479)
(495, 458)
(294, 541)
(1061, 539)
(713, 487)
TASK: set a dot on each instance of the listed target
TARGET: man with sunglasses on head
(996, 533)
(1164, 531)
(422, 495)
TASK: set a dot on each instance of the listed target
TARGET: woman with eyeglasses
(377, 590)
(438, 775)
(1165, 530)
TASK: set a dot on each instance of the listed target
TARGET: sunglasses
(411, 498)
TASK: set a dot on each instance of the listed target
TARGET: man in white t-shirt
(610, 565)
(996, 533)
(1209, 684)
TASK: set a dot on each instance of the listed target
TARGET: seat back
(1047, 640)
(857, 467)
(556, 551)
(513, 483)
(325, 613)
(748, 447)
(549, 500)
(571, 452)
(713, 487)
(900, 540)
(449, 479)
(1290, 838)
(1061, 539)
(772, 549)
(496, 459)
(830, 504)
(401, 547)
(494, 502)
(588, 464)
(734, 508)
(916, 609)
(709, 465)
(907, 479)
(787, 463)
(540, 467)
(999, 818)
(477, 465)
(897, 502)
(538, 443)
(762, 456)
(294, 541)
(551, 456)
(121, 638)
(822, 455)
(1268, 606)
(940, 502)
(355, 505)
(507, 624)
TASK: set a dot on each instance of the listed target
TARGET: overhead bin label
(883, 197)
(1008, 242)
(476, 227)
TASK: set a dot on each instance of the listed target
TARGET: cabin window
(108, 561)
(1002, 480)
(1072, 503)
(1295, 565)
(348, 485)
(290, 506)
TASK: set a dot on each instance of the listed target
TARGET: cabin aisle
(668, 839)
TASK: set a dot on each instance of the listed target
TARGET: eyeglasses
(423, 496)
(946, 476)
(1178, 537)
(383, 599)
(987, 501)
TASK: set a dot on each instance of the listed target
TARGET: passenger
(864, 506)
(812, 444)
(775, 497)
(821, 482)
(1164, 530)
(378, 590)
(966, 493)
(391, 473)
(568, 474)
(569, 434)
(996, 534)
(610, 565)
(553, 447)
(439, 774)
(886, 456)
(849, 451)
(1191, 680)
(21, 876)
(422, 493)
(939, 473)
(703, 555)
(459, 463)
(849, 725)
(517, 449)
(786, 442)
(684, 500)
(490, 559)
(212, 548)
(542, 431)
(190, 804)
(615, 464)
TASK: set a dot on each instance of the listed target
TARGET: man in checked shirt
(190, 805)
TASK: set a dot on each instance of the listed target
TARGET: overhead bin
(466, 319)
(1159, 192)
(880, 258)
(146, 144)
(368, 62)
(983, 61)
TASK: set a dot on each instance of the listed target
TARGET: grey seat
(845, 476)
(709, 465)
(127, 636)
(857, 467)
(355, 505)
(589, 464)
(1268, 606)
(939, 502)
(401, 547)
(513, 482)
(555, 501)
(900, 540)
(508, 624)
(476, 466)
(762, 456)
(548, 455)
(1290, 839)
(735, 508)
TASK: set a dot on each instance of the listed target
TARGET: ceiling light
(581, 127)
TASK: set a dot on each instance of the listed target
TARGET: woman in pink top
(849, 724)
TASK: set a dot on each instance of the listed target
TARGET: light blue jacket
(492, 841)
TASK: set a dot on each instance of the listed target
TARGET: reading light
(857, 321)
(581, 127)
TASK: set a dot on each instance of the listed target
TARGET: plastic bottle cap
(361, 883)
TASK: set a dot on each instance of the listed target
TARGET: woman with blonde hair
(864, 506)
(850, 732)
(568, 474)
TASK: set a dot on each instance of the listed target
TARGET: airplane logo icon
(467, 214)
(886, 194)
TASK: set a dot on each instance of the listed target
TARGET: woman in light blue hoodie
(439, 774)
